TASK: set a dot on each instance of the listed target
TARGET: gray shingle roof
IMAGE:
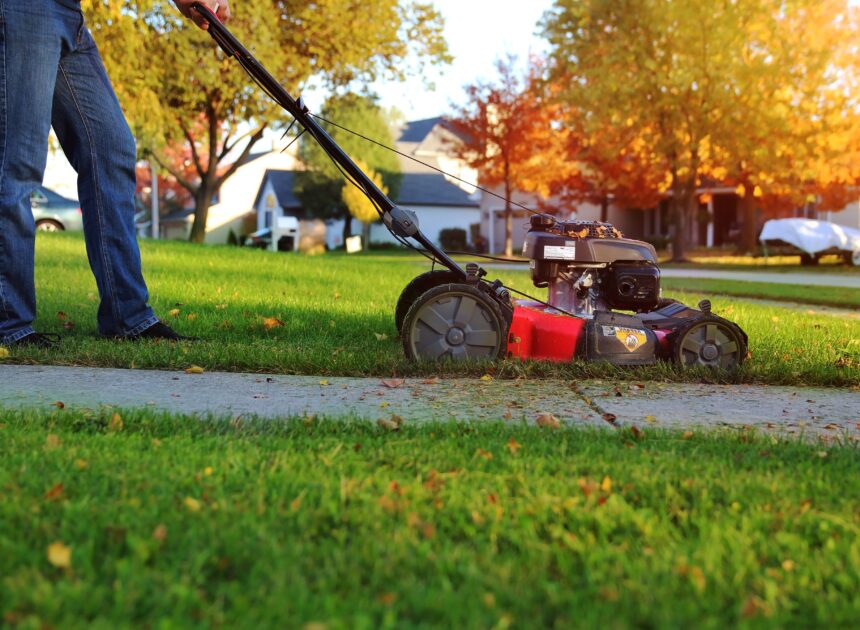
(417, 130)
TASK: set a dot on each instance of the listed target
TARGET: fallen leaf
(431, 381)
(388, 425)
(384, 404)
(174, 312)
(81, 464)
(160, 532)
(270, 323)
(688, 435)
(60, 555)
(636, 432)
(192, 504)
(788, 565)
(380, 336)
(397, 420)
(62, 316)
(392, 383)
(610, 417)
(55, 493)
(52, 441)
(547, 420)
(115, 424)
(606, 484)
(324, 383)
(513, 446)
(486, 378)
(485, 454)
(4, 353)
(194, 369)
(60, 404)
(650, 419)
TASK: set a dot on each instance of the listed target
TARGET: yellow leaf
(324, 383)
(384, 404)
(194, 369)
(650, 419)
(688, 435)
(192, 504)
(272, 322)
(4, 353)
(486, 378)
(115, 424)
(606, 484)
(60, 555)
(788, 565)
(208, 471)
(174, 312)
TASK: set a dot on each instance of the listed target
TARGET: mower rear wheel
(454, 321)
(710, 343)
(418, 286)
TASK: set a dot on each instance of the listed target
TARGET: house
(233, 210)
(440, 200)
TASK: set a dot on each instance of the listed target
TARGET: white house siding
(237, 195)
(431, 219)
(849, 216)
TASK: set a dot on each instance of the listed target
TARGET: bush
(453, 239)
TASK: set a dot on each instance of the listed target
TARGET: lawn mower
(604, 299)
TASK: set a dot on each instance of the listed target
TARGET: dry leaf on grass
(547, 420)
(60, 555)
(270, 323)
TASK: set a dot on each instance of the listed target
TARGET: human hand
(221, 8)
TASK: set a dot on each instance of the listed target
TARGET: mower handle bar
(232, 47)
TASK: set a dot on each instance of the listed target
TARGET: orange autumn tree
(508, 135)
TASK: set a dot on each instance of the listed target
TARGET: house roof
(432, 189)
(283, 183)
(418, 130)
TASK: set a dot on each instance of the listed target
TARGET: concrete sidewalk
(812, 412)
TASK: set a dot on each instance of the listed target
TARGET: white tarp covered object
(812, 236)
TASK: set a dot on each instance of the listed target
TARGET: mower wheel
(418, 286)
(455, 321)
(711, 342)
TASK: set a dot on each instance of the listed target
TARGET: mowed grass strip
(113, 519)
(843, 297)
(333, 315)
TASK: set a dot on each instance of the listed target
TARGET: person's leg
(94, 135)
(30, 48)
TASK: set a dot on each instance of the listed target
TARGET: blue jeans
(51, 74)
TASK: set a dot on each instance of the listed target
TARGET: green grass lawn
(842, 297)
(333, 315)
(133, 519)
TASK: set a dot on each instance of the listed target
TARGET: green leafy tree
(178, 88)
(320, 187)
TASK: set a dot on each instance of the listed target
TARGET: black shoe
(161, 330)
(46, 341)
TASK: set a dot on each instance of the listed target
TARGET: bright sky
(478, 32)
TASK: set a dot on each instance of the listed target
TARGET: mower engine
(611, 285)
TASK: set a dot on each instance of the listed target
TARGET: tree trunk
(604, 208)
(749, 228)
(681, 208)
(365, 236)
(347, 228)
(202, 201)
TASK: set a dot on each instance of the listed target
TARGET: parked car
(53, 212)
(812, 239)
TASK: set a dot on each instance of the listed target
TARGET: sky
(478, 32)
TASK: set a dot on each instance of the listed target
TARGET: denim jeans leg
(30, 49)
(95, 137)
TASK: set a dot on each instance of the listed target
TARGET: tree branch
(194, 155)
(256, 137)
(175, 174)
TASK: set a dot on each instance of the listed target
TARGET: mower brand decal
(557, 252)
(632, 338)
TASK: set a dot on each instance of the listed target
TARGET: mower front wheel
(416, 288)
(455, 321)
(712, 343)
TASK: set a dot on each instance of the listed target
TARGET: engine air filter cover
(632, 286)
